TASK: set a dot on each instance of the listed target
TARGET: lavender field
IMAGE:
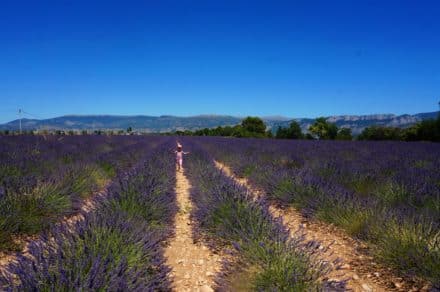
(384, 194)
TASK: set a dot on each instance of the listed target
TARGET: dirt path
(360, 270)
(193, 264)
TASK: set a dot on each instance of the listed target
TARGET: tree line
(250, 127)
(426, 130)
(321, 129)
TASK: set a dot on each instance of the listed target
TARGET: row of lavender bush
(118, 245)
(268, 259)
(44, 179)
(386, 193)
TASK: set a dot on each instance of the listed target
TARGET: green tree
(129, 129)
(238, 131)
(323, 129)
(179, 133)
(292, 132)
(254, 125)
(344, 134)
(309, 136)
(227, 131)
(269, 134)
(429, 130)
(281, 133)
(411, 133)
(381, 133)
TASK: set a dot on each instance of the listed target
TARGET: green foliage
(254, 125)
(108, 169)
(270, 264)
(109, 244)
(309, 136)
(136, 205)
(426, 130)
(292, 132)
(251, 127)
(283, 265)
(429, 130)
(381, 133)
(353, 219)
(413, 248)
(362, 184)
(344, 134)
(283, 190)
(85, 181)
(323, 129)
(392, 193)
(106, 240)
(267, 259)
(32, 212)
(248, 170)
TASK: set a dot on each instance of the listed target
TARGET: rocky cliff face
(335, 119)
(358, 123)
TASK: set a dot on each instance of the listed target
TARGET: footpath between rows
(193, 265)
(356, 267)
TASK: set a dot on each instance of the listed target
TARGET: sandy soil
(193, 265)
(357, 267)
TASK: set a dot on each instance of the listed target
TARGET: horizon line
(274, 117)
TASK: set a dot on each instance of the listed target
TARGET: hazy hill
(358, 123)
(172, 123)
(144, 123)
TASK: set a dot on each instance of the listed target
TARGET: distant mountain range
(173, 123)
(358, 123)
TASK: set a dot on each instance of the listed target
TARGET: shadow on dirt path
(193, 265)
(357, 267)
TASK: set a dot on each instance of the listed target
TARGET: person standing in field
(179, 156)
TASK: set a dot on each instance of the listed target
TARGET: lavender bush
(269, 260)
(386, 193)
(45, 179)
(116, 248)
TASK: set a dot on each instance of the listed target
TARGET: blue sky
(292, 58)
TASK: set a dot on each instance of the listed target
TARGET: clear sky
(294, 58)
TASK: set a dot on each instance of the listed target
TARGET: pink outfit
(179, 157)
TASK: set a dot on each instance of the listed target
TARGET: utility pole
(19, 114)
